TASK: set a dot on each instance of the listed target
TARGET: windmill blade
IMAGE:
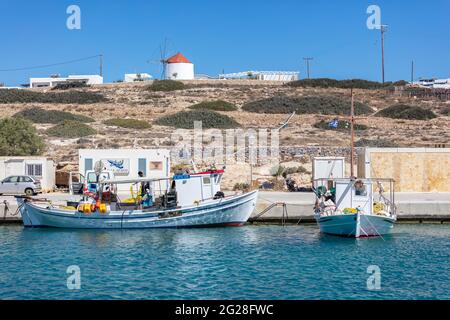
(163, 72)
(163, 50)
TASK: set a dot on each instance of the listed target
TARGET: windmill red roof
(178, 58)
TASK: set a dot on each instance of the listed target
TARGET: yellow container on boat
(103, 208)
(350, 211)
(87, 208)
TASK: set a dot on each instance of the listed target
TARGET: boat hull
(355, 225)
(233, 211)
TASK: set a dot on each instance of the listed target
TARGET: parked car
(19, 185)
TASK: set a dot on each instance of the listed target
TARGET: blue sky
(226, 35)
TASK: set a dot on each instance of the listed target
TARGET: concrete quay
(412, 207)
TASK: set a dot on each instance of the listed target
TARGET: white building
(284, 76)
(53, 81)
(434, 83)
(40, 168)
(178, 67)
(126, 163)
(441, 84)
(133, 77)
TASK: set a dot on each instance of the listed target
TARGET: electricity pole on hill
(307, 64)
(101, 65)
(383, 28)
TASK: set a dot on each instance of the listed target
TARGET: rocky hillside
(137, 101)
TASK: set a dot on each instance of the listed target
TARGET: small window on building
(88, 164)
(206, 180)
(142, 166)
(156, 165)
(34, 170)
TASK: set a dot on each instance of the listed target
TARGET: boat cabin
(179, 191)
(197, 187)
(355, 195)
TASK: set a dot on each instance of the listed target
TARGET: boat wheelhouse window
(103, 176)
(91, 177)
(330, 184)
(206, 180)
(217, 178)
(360, 189)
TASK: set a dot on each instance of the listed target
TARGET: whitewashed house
(40, 168)
(55, 80)
(134, 77)
(283, 76)
(126, 163)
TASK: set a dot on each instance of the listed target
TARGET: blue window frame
(142, 166)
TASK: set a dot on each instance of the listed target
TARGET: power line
(51, 65)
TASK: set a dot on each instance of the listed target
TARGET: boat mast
(352, 128)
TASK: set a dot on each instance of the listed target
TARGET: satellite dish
(98, 167)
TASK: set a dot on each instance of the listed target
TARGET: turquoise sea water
(254, 262)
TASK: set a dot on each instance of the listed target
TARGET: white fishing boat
(188, 201)
(348, 206)
(355, 207)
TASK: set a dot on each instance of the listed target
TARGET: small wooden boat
(192, 201)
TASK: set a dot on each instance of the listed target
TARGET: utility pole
(101, 65)
(352, 128)
(308, 59)
(412, 71)
(383, 28)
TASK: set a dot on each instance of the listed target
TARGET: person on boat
(360, 188)
(144, 184)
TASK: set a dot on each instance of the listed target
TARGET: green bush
(446, 111)
(403, 111)
(166, 85)
(18, 137)
(209, 119)
(71, 129)
(284, 172)
(377, 143)
(128, 123)
(69, 97)
(39, 115)
(328, 105)
(344, 84)
(218, 105)
(343, 125)
(70, 85)
(241, 186)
